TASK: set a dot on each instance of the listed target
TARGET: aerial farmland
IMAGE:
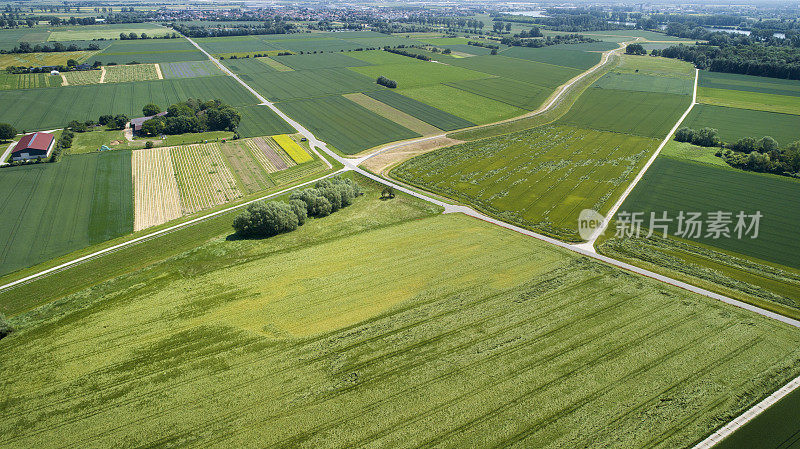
(230, 225)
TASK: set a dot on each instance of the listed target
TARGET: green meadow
(734, 124)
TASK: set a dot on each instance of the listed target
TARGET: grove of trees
(7, 132)
(383, 81)
(192, 116)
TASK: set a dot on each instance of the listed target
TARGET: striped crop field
(82, 77)
(247, 170)
(295, 151)
(156, 198)
(28, 81)
(132, 72)
(540, 178)
(189, 69)
(476, 337)
(204, 179)
(262, 148)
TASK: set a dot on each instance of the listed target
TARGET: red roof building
(33, 146)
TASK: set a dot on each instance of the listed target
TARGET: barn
(33, 146)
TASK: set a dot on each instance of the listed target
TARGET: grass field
(28, 81)
(435, 356)
(786, 104)
(428, 114)
(51, 209)
(91, 141)
(734, 124)
(689, 152)
(148, 51)
(417, 75)
(646, 114)
(540, 179)
(545, 75)
(648, 65)
(344, 124)
(566, 56)
(516, 93)
(463, 104)
(55, 107)
(83, 77)
(189, 69)
(259, 120)
(135, 72)
(204, 179)
(42, 59)
(673, 185)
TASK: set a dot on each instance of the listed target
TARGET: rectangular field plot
(648, 65)
(380, 57)
(545, 75)
(52, 209)
(295, 151)
(28, 81)
(156, 198)
(488, 338)
(647, 114)
(248, 66)
(748, 83)
(83, 77)
(43, 59)
(189, 69)
(564, 56)
(319, 61)
(55, 107)
(673, 185)
(249, 173)
(107, 31)
(646, 83)
(395, 115)
(344, 124)
(148, 51)
(134, 72)
(786, 104)
(282, 86)
(516, 93)
(428, 114)
(734, 124)
(259, 120)
(269, 154)
(309, 45)
(540, 178)
(238, 44)
(468, 106)
(203, 177)
(416, 75)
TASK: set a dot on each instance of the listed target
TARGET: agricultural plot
(248, 66)
(28, 81)
(574, 353)
(417, 75)
(322, 61)
(10, 37)
(565, 56)
(646, 83)
(126, 73)
(516, 93)
(295, 151)
(540, 74)
(468, 106)
(734, 124)
(54, 107)
(646, 114)
(344, 124)
(276, 65)
(673, 185)
(282, 86)
(540, 178)
(269, 154)
(259, 120)
(49, 210)
(83, 77)
(786, 104)
(43, 59)
(238, 44)
(156, 199)
(395, 115)
(428, 114)
(747, 83)
(380, 57)
(149, 51)
(307, 45)
(189, 69)
(203, 177)
(648, 65)
(248, 172)
(107, 31)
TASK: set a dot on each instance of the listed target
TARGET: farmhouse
(136, 123)
(33, 146)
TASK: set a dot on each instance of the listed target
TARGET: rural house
(136, 123)
(33, 146)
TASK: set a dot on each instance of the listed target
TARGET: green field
(422, 111)
(646, 83)
(545, 75)
(55, 107)
(540, 178)
(689, 152)
(344, 124)
(673, 185)
(151, 50)
(128, 73)
(747, 83)
(28, 81)
(52, 209)
(734, 124)
(777, 427)
(786, 104)
(282, 86)
(248, 66)
(516, 93)
(646, 114)
(468, 106)
(567, 55)
(189, 69)
(472, 327)
(648, 65)
(106, 31)
(261, 121)
(418, 75)
(380, 57)
(322, 61)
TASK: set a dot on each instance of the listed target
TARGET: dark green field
(55, 107)
(323, 61)
(734, 123)
(646, 83)
(422, 111)
(749, 83)
(673, 185)
(259, 120)
(509, 91)
(282, 86)
(155, 50)
(533, 72)
(778, 427)
(344, 124)
(48, 210)
(646, 114)
(566, 55)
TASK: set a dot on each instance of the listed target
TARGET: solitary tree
(7, 131)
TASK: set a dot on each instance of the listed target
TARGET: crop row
(156, 198)
(295, 151)
(203, 178)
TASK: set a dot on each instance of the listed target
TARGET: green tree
(7, 131)
(150, 109)
(5, 326)
(266, 219)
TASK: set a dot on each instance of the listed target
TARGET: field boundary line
(158, 71)
(589, 245)
(726, 430)
(64, 80)
(102, 74)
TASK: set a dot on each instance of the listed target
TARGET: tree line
(399, 51)
(519, 41)
(383, 81)
(191, 116)
(746, 59)
(748, 153)
(265, 219)
(266, 27)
